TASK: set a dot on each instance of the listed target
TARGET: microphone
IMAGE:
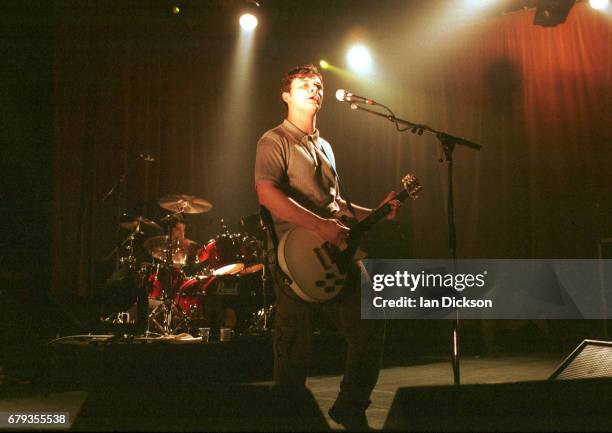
(146, 157)
(346, 96)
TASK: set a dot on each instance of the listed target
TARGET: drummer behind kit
(182, 285)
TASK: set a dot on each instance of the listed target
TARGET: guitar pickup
(322, 255)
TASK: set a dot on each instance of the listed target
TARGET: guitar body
(315, 278)
(318, 269)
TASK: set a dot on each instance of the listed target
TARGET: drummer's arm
(287, 209)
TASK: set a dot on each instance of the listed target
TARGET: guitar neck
(376, 215)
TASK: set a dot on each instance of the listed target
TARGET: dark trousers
(293, 342)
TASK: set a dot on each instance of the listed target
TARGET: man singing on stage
(296, 181)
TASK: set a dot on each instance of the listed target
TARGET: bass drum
(221, 301)
(198, 301)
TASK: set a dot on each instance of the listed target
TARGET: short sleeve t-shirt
(296, 164)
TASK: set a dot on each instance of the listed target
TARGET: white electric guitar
(317, 268)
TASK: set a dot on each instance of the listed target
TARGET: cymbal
(158, 246)
(129, 222)
(185, 203)
(162, 242)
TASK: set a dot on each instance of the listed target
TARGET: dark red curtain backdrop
(538, 99)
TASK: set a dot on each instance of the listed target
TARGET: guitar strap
(332, 163)
(271, 244)
(268, 222)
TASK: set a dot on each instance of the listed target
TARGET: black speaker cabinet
(193, 407)
(590, 359)
(552, 405)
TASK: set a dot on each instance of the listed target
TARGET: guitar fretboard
(378, 214)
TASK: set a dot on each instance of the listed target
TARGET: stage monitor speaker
(590, 359)
(551, 405)
(197, 407)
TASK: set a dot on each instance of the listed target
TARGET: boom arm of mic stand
(113, 188)
(417, 127)
(121, 178)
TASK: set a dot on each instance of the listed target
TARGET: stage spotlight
(248, 15)
(599, 4)
(324, 64)
(359, 59)
(549, 13)
(248, 21)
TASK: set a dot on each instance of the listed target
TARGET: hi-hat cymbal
(130, 222)
(185, 203)
(161, 242)
(159, 246)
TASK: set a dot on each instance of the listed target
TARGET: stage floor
(474, 370)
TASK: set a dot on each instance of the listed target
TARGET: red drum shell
(223, 255)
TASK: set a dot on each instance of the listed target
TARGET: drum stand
(169, 310)
(262, 318)
(164, 327)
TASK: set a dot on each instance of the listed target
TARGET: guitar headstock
(411, 185)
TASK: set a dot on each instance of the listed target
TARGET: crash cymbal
(185, 203)
(130, 222)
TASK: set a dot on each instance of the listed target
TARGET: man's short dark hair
(298, 72)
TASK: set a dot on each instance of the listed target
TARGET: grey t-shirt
(296, 163)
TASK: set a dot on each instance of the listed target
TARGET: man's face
(306, 94)
(178, 231)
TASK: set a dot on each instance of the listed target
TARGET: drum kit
(220, 284)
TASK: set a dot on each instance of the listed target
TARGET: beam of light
(231, 139)
(359, 59)
(248, 22)
(599, 4)
(341, 72)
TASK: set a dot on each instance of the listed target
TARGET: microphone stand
(118, 190)
(448, 143)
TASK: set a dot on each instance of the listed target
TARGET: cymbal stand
(151, 315)
(167, 286)
(118, 190)
(262, 317)
(172, 218)
(169, 307)
(128, 246)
